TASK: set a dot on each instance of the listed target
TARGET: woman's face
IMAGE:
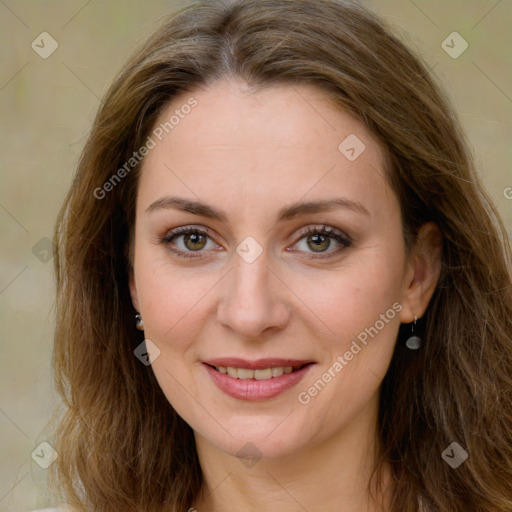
(289, 257)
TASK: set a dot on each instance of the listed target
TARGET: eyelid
(322, 229)
(172, 234)
(189, 228)
(330, 232)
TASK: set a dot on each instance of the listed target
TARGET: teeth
(262, 374)
(277, 372)
(243, 373)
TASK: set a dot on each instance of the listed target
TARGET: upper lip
(236, 362)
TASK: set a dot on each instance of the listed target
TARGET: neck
(334, 474)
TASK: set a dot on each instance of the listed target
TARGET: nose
(253, 302)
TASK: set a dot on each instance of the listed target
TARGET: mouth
(271, 372)
(256, 380)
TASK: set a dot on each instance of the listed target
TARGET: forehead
(277, 144)
(229, 114)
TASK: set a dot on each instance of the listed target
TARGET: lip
(260, 364)
(256, 390)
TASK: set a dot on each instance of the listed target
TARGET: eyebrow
(285, 213)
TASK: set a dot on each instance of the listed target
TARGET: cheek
(352, 298)
(170, 296)
(362, 312)
(360, 306)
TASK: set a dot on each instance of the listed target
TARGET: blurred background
(57, 60)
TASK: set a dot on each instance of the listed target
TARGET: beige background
(46, 109)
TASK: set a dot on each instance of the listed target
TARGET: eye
(320, 239)
(188, 241)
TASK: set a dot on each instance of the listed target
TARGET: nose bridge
(252, 301)
(250, 279)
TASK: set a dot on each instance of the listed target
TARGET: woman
(279, 282)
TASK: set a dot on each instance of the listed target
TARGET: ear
(422, 272)
(133, 290)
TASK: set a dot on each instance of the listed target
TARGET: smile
(256, 380)
(263, 374)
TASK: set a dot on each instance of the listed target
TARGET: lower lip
(256, 390)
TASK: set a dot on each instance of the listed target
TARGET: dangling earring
(140, 322)
(413, 342)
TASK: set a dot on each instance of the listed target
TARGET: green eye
(318, 243)
(319, 240)
(188, 241)
(197, 241)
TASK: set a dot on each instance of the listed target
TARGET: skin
(249, 154)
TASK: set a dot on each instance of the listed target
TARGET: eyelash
(343, 239)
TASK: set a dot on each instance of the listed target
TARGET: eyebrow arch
(285, 213)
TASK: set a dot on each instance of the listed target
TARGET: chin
(264, 436)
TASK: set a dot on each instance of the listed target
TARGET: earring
(139, 322)
(413, 342)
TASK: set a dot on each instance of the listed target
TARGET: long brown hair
(121, 445)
